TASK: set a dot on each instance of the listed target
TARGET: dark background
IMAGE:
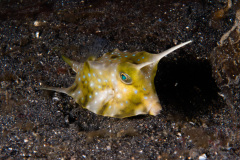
(198, 86)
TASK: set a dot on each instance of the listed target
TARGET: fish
(118, 84)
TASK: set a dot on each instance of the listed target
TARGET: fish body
(118, 84)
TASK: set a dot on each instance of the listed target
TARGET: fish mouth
(155, 109)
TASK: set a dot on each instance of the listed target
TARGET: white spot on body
(91, 84)
(135, 91)
(119, 95)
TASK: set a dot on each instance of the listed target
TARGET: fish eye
(125, 78)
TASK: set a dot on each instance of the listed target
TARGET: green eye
(125, 78)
